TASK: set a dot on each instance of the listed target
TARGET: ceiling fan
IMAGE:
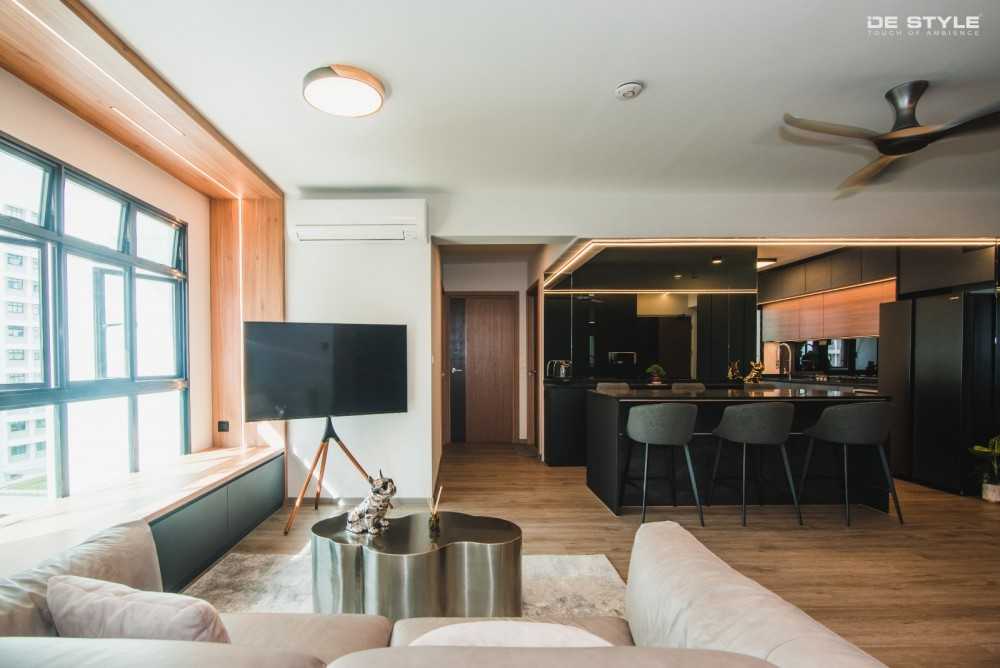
(906, 136)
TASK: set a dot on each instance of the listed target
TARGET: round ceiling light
(343, 90)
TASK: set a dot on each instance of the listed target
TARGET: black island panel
(608, 447)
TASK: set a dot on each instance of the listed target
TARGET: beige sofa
(684, 607)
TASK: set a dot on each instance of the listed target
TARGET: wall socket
(223, 425)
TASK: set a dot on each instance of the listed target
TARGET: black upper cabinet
(841, 268)
(818, 274)
(845, 267)
(877, 262)
(923, 269)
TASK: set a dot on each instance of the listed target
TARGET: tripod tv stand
(320, 459)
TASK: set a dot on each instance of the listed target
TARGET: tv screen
(303, 370)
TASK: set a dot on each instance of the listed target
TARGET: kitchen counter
(608, 448)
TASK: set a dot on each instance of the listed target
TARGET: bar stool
(755, 424)
(853, 424)
(671, 425)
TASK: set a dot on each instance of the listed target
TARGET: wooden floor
(923, 594)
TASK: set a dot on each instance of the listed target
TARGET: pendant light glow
(343, 90)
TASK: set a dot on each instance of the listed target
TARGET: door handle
(454, 370)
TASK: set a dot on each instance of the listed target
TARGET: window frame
(54, 246)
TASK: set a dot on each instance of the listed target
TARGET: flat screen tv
(303, 370)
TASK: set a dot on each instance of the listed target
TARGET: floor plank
(923, 594)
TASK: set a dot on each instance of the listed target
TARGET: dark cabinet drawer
(253, 497)
(191, 538)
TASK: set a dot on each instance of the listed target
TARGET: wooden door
(490, 368)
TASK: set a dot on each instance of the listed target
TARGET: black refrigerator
(937, 359)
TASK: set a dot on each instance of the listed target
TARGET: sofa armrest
(679, 594)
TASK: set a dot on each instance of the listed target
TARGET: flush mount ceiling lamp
(766, 262)
(717, 259)
(343, 90)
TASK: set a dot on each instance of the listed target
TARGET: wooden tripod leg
(319, 481)
(305, 487)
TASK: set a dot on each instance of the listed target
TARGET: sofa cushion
(612, 629)
(88, 608)
(125, 554)
(679, 594)
(325, 636)
(509, 633)
(119, 653)
(573, 657)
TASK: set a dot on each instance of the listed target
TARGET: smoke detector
(628, 90)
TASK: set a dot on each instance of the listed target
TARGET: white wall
(34, 119)
(378, 283)
(505, 276)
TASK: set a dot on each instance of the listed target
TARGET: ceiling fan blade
(866, 174)
(829, 128)
(980, 119)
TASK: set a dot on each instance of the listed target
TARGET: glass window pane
(22, 187)
(154, 239)
(22, 334)
(27, 465)
(95, 293)
(155, 321)
(98, 443)
(92, 215)
(159, 429)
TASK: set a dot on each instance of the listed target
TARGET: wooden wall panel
(854, 312)
(248, 283)
(810, 317)
(227, 367)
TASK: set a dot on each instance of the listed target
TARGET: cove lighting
(162, 143)
(343, 90)
(594, 246)
(766, 262)
(97, 67)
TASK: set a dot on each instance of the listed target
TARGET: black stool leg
(673, 476)
(888, 479)
(743, 485)
(758, 485)
(847, 486)
(624, 481)
(645, 473)
(715, 472)
(805, 468)
(694, 483)
(791, 482)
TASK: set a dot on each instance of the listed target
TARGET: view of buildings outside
(26, 435)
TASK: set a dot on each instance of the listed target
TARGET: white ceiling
(518, 94)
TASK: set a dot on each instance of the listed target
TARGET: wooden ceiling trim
(202, 157)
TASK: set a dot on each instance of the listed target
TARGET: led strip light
(596, 245)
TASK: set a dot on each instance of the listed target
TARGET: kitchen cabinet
(922, 269)
(780, 321)
(845, 268)
(817, 274)
(811, 313)
(877, 262)
(852, 312)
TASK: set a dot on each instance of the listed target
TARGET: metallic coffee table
(471, 569)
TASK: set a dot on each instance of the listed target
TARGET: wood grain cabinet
(811, 317)
(847, 313)
(780, 321)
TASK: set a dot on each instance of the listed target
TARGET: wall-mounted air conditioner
(357, 219)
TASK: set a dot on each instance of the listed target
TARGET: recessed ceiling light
(766, 262)
(343, 90)
(628, 90)
(717, 259)
(678, 276)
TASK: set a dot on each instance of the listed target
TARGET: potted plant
(656, 374)
(990, 453)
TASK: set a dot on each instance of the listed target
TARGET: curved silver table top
(471, 568)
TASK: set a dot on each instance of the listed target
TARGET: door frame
(515, 295)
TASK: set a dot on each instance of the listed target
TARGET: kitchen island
(608, 448)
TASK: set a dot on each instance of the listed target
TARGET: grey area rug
(552, 585)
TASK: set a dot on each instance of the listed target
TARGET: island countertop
(732, 395)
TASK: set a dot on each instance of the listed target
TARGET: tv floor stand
(320, 459)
